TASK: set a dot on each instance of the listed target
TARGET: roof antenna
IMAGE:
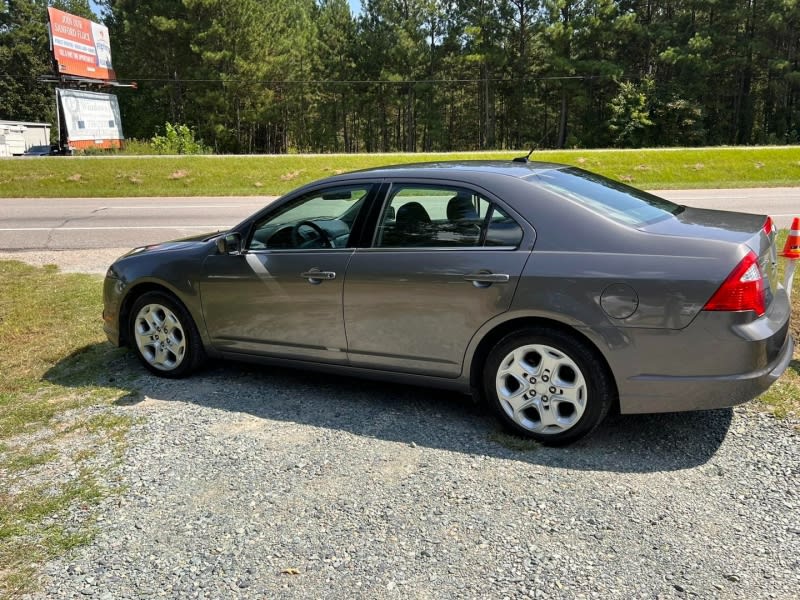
(524, 159)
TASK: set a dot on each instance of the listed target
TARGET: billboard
(81, 47)
(90, 119)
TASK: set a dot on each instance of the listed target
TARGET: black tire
(182, 354)
(565, 420)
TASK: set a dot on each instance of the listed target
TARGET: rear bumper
(721, 359)
(652, 393)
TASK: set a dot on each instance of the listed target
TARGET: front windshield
(620, 202)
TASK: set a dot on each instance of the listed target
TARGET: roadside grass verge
(92, 176)
(56, 436)
(783, 398)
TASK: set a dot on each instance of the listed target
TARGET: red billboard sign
(81, 47)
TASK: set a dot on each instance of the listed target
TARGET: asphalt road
(91, 223)
(97, 223)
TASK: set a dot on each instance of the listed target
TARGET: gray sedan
(553, 293)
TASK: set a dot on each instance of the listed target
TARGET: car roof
(459, 168)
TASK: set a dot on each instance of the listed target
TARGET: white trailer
(17, 136)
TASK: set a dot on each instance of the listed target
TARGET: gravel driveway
(248, 482)
(258, 483)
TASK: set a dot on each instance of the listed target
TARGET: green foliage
(24, 57)
(137, 147)
(630, 113)
(177, 139)
(437, 75)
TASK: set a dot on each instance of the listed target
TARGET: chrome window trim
(439, 249)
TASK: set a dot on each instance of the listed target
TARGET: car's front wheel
(164, 336)
(547, 385)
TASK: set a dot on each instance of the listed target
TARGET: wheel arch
(134, 293)
(499, 331)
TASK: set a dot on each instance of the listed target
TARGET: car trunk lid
(754, 231)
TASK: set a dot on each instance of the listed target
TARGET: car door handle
(486, 279)
(316, 276)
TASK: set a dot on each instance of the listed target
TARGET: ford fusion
(552, 293)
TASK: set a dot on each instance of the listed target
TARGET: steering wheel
(298, 239)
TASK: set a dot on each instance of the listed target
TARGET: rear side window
(441, 217)
(615, 200)
(502, 230)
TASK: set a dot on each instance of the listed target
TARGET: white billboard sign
(91, 119)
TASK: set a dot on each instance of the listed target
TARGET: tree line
(437, 75)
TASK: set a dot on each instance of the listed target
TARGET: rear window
(612, 199)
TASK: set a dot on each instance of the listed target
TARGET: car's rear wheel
(164, 336)
(547, 385)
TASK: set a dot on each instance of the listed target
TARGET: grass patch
(53, 362)
(513, 442)
(23, 459)
(783, 398)
(105, 176)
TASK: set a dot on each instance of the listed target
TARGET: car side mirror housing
(230, 243)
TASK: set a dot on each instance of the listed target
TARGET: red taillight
(769, 227)
(742, 290)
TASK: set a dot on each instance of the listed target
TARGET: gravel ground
(264, 483)
(248, 482)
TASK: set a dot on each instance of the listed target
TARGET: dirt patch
(291, 175)
(69, 261)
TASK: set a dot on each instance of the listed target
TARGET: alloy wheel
(160, 337)
(541, 389)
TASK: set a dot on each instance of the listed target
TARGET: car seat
(412, 215)
(460, 207)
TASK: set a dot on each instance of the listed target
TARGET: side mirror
(230, 243)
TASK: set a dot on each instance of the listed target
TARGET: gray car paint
(273, 310)
(413, 311)
(667, 355)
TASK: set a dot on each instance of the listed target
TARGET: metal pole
(58, 122)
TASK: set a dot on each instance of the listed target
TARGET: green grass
(271, 175)
(783, 398)
(24, 459)
(53, 361)
(514, 442)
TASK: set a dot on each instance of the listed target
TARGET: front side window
(322, 219)
(442, 217)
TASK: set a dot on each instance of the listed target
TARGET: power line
(287, 82)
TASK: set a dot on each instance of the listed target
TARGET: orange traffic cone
(792, 247)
